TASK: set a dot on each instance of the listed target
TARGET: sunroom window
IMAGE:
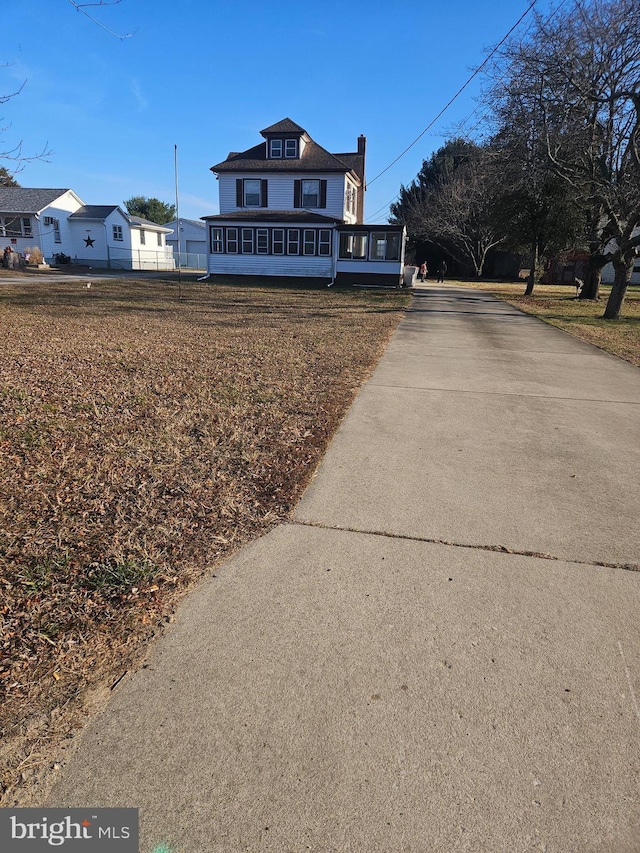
(385, 247)
(324, 242)
(353, 246)
(216, 241)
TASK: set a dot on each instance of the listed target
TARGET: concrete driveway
(440, 651)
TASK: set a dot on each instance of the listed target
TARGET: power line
(430, 125)
(457, 94)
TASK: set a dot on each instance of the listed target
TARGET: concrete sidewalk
(439, 652)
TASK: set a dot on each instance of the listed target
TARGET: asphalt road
(440, 651)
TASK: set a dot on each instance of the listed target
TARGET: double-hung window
(291, 148)
(309, 242)
(117, 232)
(247, 241)
(232, 241)
(143, 237)
(293, 241)
(216, 241)
(324, 241)
(311, 193)
(262, 241)
(277, 241)
(252, 193)
(275, 148)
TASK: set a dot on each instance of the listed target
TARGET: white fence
(123, 259)
(190, 261)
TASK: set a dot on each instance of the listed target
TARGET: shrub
(34, 255)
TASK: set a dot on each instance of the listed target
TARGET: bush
(33, 255)
(61, 258)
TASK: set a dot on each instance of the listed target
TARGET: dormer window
(291, 148)
(275, 149)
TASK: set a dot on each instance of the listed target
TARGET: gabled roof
(139, 222)
(94, 211)
(102, 211)
(355, 162)
(197, 222)
(25, 200)
(284, 126)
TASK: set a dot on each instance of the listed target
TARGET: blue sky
(207, 76)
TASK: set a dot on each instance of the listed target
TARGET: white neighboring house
(189, 241)
(288, 207)
(609, 273)
(37, 217)
(59, 223)
(107, 236)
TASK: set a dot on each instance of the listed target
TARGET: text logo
(69, 830)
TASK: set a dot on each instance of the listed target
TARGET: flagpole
(175, 167)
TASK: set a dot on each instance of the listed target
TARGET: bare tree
(451, 203)
(462, 217)
(588, 60)
(82, 7)
(13, 159)
(537, 209)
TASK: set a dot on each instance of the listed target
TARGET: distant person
(6, 260)
(423, 272)
(442, 271)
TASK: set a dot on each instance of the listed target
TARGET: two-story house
(290, 208)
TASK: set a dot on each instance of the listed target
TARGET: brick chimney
(362, 151)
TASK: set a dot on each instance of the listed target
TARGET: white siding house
(288, 207)
(106, 236)
(59, 223)
(36, 218)
(189, 242)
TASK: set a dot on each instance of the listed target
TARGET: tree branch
(80, 7)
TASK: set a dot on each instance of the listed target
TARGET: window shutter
(264, 193)
(239, 194)
(297, 193)
(323, 193)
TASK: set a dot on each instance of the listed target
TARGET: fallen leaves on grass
(143, 438)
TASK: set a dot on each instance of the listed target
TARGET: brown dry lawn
(143, 438)
(582, 318)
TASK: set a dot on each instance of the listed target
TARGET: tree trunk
(623, 269)
(592, 277)
(534, 268)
